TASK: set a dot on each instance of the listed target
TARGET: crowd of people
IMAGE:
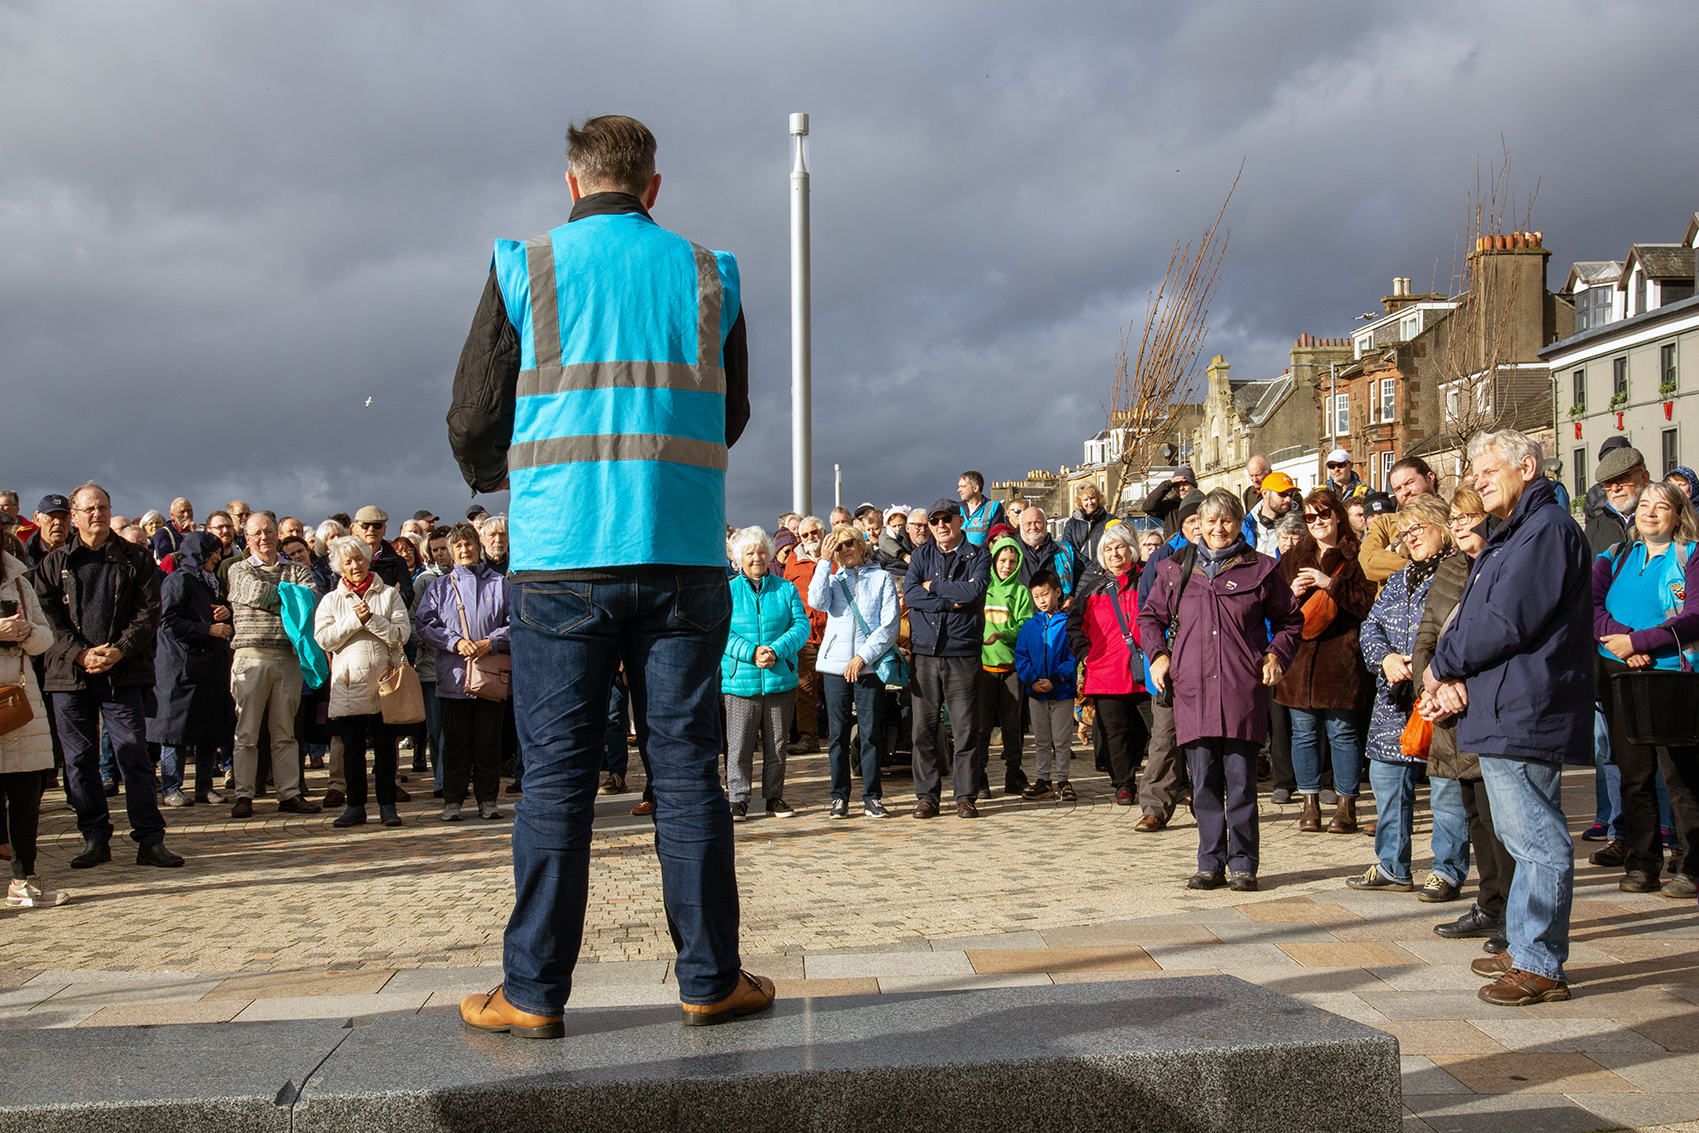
(1318, 641)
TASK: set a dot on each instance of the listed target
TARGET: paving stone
(1669, 1074)
(1026, 939)
(450, 979)
(1346, 1004)
(996, 960)
(1503, 1113)
(331, 1006)
(292, 985)
(1639, 1111)
(17, 977)
(1440, 1036)
(841, 966)
(1338, 954)
(1434, 1004)
(166, 1014)
(1111, 977)
(1138, 933)
(1429, 977)
(1289, 979)
(121, 979)
(1560, 1035)
(166, 990)
(773, 967)
(891, 985)
(1225, 956)
(28, 995)
(820, 989)
(1521, 1072)
(1421, 1076)
(1297, 910)
(624, 995)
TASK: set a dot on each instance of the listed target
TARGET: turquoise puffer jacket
(773, 616)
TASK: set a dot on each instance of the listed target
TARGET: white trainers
(28, 893)
(451, 812)
(488, 810)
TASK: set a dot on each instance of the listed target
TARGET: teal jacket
(772, 616)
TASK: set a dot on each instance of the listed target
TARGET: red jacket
(800, 572)
(1095, 633)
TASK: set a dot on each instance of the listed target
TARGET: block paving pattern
(285, 918)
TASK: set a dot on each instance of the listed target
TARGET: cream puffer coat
(29, 748)
(361, 654)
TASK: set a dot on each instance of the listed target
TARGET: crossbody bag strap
(1188, 563)
(465, 628)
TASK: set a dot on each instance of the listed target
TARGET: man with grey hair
(1045, 553)
(1516, 668)
(264, 672)
(1257, 469)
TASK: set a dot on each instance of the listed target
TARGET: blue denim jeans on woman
(567, 637)
(1527, 802)
(868, 693)
(1451, 829)
(1344, 738)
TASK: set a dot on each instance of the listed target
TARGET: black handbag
(1188, 561)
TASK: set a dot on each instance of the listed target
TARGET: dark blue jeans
(618, 761)
(171, 759)
(79, 716)
(670, 630)
(1224, 799)
(869, 696)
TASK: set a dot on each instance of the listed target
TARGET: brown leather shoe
(752, 994)
(1517, 988)
(926, 808)
(966, 809)
(297, 804)
(643, 808)
(1150, 824)
(244, 808)
(493, 1012)
(1309, 819)
(401, 795)
(1344, 819)
(334, 797)
(1493, 966)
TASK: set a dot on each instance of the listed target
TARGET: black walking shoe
(1614, 853)
(94, 853)
(158, 855)
(1241, 882)
(1476, 922)
(1204, 879)
(1040, 789)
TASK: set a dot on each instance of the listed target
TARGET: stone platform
(1186, 1053)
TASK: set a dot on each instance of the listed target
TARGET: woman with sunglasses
(1388, 637)
(1454, 777)
(1326, 687)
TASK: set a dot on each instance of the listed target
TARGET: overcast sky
(223, 227)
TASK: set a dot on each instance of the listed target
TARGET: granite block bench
(1182, 1053)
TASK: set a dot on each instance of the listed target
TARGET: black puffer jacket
(134, 618)
(1444, 760)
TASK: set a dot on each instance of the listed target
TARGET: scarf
(1212, 560)
(365, 585)
(1419, 571)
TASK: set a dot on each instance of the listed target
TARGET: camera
(8, 607)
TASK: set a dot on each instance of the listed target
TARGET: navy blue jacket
(191, 666)
(936, 627)
(1522, 639)
(1167, 551)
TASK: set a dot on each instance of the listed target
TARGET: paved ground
(287, 919)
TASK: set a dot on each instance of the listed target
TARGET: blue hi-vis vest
(619, 434)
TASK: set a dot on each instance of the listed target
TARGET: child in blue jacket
(1046, 666)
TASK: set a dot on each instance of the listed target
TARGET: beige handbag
(489, 677)
(401, 696)
(15, 710)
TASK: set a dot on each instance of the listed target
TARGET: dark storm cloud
(223, 228)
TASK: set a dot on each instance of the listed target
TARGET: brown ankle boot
(1309, 819)
(1344, 818)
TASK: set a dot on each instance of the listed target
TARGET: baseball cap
(864, 509)
(944, 506)
(425, 515)
(1339, 456)
(476, 510)
(1378, 503)
(51, 504)
(1617, 461)
(370, 514)
(1185, 471)
(1277, 482)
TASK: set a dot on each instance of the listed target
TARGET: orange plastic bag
(1418, 734)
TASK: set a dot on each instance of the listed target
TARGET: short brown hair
(611, 153)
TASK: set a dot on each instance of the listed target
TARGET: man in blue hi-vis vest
(607, 365)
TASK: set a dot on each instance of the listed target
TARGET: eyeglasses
(1414, 531)
(1331, 464)
(1463, 522)
(1317, 516)
(369, 526)
(944, 522)
(95, 510)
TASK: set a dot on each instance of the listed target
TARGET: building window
(1639, 294)
(1666, 369)
(1619, 379)
(1580, 384)
(1451, 413)
(1603, 299)
(1672, 452)
(1386, 463)
(1341, 414)
(1578, 461)
(1583, 309)
(1387, 396)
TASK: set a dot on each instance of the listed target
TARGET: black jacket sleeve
(480, 416)
(486, 383)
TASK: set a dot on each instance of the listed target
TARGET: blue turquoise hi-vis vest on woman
(618, 455)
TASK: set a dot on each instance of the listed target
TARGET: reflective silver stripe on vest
(545, 309)
(550, 376)
(621, 375)
(617, 446)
